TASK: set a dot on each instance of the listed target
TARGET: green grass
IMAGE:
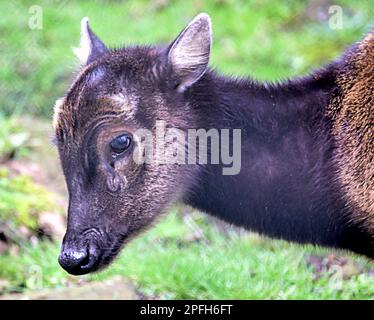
(269, 40)
(266, 39)
(19, 205)
(165, 263)
(13, 139)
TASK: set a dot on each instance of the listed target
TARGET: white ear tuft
(91, 46)
(83, 52)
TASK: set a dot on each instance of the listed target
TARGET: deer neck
(286, 187)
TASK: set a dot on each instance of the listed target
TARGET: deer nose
(76, 261)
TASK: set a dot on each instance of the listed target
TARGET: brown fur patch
(352, 111)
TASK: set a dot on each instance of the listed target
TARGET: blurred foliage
(20, 201)
(12, 138)
(263, 38)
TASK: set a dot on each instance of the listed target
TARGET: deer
(307, 146)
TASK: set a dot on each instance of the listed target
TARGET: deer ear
(91, 47)
(189, 53)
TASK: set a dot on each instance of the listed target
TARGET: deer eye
(120, 144)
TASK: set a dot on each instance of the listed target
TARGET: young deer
(307, 145)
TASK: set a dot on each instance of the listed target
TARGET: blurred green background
(187, 255)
